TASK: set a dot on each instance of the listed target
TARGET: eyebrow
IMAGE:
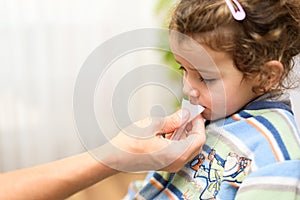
(192, 69)
(206, 68)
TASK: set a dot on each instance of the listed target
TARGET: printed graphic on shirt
(213, 170)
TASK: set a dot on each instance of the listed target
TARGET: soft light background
(43, 44)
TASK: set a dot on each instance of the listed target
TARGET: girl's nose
(189, 90)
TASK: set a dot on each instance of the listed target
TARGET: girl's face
(211, 80)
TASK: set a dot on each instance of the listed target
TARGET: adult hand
(148, 145)
(139, 147)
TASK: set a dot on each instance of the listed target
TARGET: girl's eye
(206, 80)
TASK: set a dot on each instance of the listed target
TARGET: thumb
(174, 121)
(198, 127)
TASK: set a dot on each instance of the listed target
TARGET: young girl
(252, 148)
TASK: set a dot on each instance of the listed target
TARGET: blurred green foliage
(163, 11)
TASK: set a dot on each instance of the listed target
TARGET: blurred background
(43, 45)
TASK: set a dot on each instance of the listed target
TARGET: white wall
(43, 45)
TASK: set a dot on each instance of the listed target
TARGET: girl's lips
(195, 102)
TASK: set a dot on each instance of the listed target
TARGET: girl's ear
(273, 71)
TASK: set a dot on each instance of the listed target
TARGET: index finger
(198, 126)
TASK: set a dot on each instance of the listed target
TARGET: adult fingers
(198, 126)
(174, 121)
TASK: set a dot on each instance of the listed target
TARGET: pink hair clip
(238, 14)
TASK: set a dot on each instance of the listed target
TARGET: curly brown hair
(270, 31)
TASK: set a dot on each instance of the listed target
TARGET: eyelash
(207, 80)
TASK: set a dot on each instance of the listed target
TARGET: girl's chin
(212, 116)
